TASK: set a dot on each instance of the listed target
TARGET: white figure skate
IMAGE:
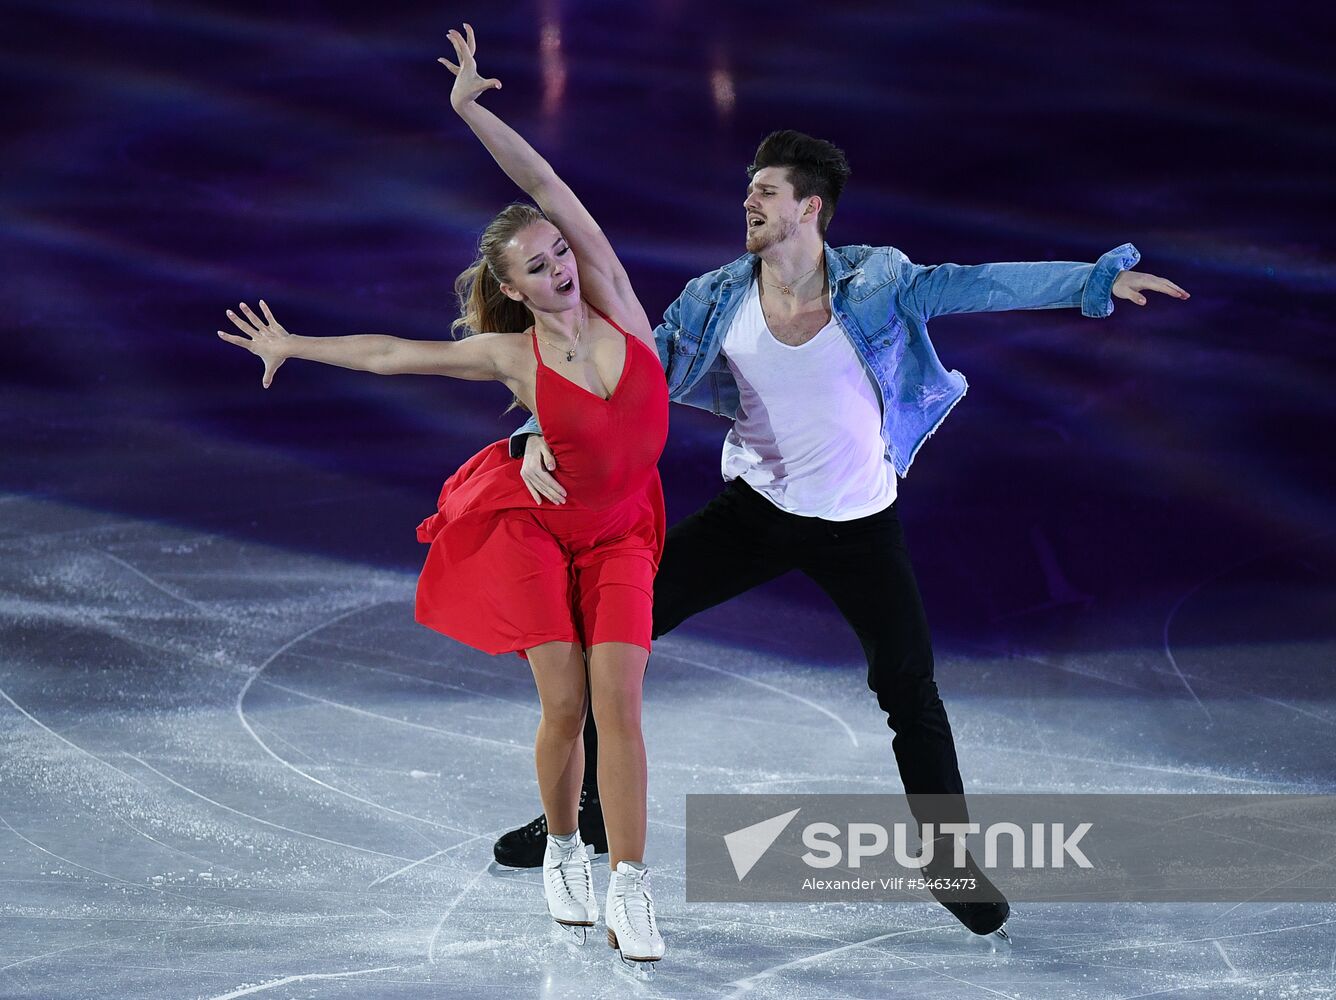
(568, 885)
(632, 927)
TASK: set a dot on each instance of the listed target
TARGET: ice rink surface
(231, 764)
(230, 770)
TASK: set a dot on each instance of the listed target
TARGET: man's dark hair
(815, 167)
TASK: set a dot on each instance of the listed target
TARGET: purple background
(1166, 469)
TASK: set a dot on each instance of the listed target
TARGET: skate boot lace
(564, 869)
(634, 901)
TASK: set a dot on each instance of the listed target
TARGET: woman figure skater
(548, 311)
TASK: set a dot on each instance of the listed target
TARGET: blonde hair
(483, 307)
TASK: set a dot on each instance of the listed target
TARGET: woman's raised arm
(602, 276)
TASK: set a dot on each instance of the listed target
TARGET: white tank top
(807, 435)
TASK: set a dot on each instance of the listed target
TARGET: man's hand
(469, 83)
(536, 468)
(1130, 284)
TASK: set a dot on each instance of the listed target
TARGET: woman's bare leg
(616, 679)
(563, 685)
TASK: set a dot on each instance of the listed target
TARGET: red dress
(505, 574)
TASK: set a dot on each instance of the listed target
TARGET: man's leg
(591, 752)
(864, 566)
(735, 542)
(732, 544)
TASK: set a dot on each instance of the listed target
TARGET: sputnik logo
(746, 846)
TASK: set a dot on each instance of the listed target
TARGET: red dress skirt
(505, 574)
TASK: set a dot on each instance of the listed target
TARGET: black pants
(740, 540)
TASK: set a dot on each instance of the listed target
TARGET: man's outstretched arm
(936, 290)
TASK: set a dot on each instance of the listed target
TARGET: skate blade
(642, 971)
(497, 870)
(574, 934)
(995, 941)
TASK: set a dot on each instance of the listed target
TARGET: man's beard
(759, 243)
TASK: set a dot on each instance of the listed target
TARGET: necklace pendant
(570, 355)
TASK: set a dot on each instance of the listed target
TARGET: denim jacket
(883, 301)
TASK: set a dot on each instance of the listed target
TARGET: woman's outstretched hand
(266, 340)
(468, 84)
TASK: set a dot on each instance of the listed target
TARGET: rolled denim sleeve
(518, 439)
(941, 289)
(1097, 299)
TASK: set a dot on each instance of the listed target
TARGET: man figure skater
(821, 357)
